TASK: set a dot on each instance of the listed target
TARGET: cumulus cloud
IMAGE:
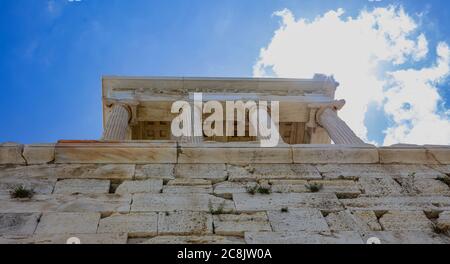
(355, 50)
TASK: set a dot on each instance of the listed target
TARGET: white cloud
(354, 50)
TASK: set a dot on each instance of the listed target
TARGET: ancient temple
(140, 108)
(138, 183)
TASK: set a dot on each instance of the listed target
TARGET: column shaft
(117, 124)
(337, 129)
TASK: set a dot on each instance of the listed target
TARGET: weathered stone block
(406, 155)
(439, 153)
(136, 225)
(145, 186)
(353, 221)
(320, 154)
(84, 186)
(255, 172)
(204, 239)
(189, 182)
(303, 237)
(431, 187)
(287, 186)
(276, 201)
(39, 153)
(297, 220)
(430, 203)
(103, 203)
(113, 152)
(405, 220)
(39, 203)
(227, 189)
(355, 171)
(237, 224)
(184, 223)
(385, 186)
(444, 220)
(28, 172)
(213, 172)
(155, 171)
(39, 186)
(67, 223)
(143, 202)
(342, 188)
(187, 189)
(11, 153)
(242, 153)
(18, 224)
(93, 171)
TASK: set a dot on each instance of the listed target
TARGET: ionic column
(337, 129)
(117, 124)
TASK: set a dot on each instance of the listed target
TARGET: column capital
(316, 110)
(130, 105)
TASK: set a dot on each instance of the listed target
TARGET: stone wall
(164, 192)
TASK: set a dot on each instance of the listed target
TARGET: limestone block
(431, 187)
(303, 237)
(114, 152)
(237, 224)
(84, 186)
(67, 223)
(444, 169)
(18, 224)
(355, 171)
(287, 186)
(213, 172)
(143, 202)
(254, 172)
(297, 220)
(276, 201)
(350, 171)
(406, 237)
(439, 153)
(407, 170)
(136, 225)
(405, 220)
(103, 203)
(444, 220)
(406, 155)
(430, 203)
(11, 153)
(353, 221)
(39, 186)
(342, 188)
(184, 223)
(27, 172)
(227, 189)
(239, 154)
(385, 186)
(187, 189)
(320, 154)
(39, 153)
(155, 171)
(189, 182)
(144, 186)
(62, 239)
(93, 171)
(205, 239)
(39, 203)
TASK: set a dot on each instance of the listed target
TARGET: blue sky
(54, 52)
